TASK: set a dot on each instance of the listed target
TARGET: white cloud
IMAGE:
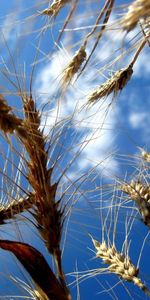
(101, 140)
(142, 65)
(138, 119)
(97, 123)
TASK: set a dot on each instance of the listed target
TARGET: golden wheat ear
(15, 207)
(139, 9)
(119, 264)
(47, 211)
(74, 66)
(36, 265)
(140, 194)
(55, 7)
(8, 121)
(115, 84)
(145, 155)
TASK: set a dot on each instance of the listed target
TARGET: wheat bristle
(114, 84)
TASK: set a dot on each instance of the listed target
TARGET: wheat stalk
(48, 212)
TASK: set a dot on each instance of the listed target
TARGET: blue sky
(109, 136)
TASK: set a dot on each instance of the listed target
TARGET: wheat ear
(145, 155)
(114, 84)
(137, 10)
(74, 65)
(15, 207)
(8, 121)
(48, 212)
(55, 8)
(119, 264)
(140, 193)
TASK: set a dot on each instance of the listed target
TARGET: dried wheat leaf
(119, 264)
(36, 265)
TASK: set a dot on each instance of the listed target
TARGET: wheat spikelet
(140, 193)
(74, 65)
(55, 8)
(8, 121)
(15, 207)
(114, 84)
(137, 10)
(119, 264)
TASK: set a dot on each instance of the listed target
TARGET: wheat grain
(116, 83)
(137, 10)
